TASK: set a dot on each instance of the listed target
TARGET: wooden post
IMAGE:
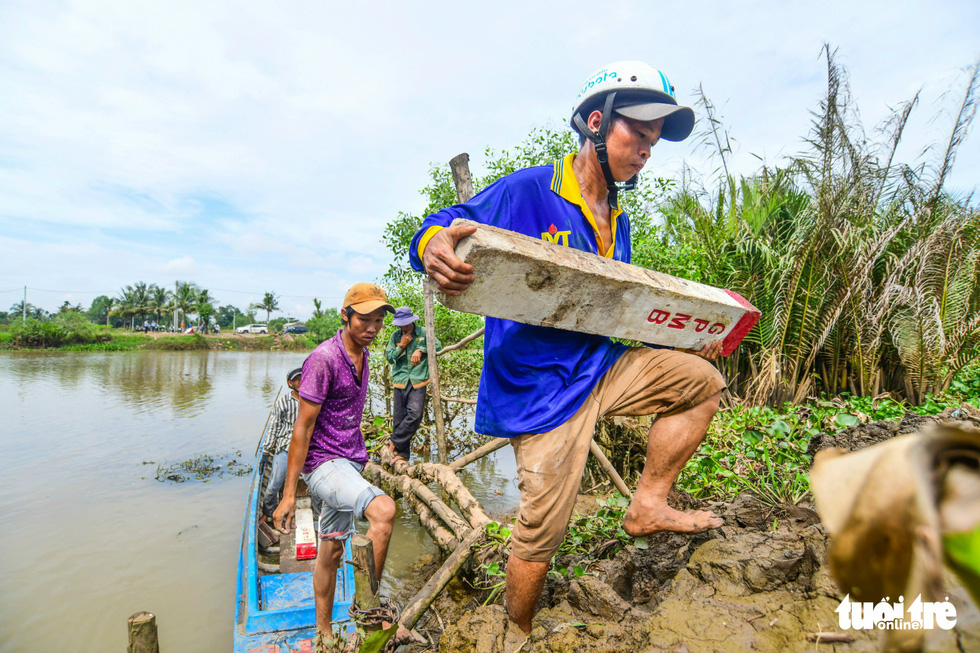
(430, 340)
(143, 633)
(460, 165)
(365, 575)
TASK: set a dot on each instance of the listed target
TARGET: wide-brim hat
(404, 316)
(365, 298)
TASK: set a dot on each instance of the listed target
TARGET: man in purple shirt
(328, 447)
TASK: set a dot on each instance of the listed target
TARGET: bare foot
(669, 519)
(403, 636)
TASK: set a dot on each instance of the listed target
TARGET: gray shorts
(339, 495)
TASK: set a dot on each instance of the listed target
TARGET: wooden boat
(275, 611)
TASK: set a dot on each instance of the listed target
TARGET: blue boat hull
(274, 612)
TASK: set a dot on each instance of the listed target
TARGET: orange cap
(365, 298)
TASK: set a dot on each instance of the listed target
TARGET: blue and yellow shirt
(535, 378)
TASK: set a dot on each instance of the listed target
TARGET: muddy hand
(450, 273)
(711, 352)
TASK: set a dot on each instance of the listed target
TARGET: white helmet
(641, 92)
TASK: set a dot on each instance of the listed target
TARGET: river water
(88, 535)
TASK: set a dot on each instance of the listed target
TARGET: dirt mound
(757, 583)
(864, 435)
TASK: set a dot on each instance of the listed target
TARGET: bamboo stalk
(608, 468)
(482, 451)
(462, 343)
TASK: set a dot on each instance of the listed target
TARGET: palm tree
(68, 307)
(268, 304)
(204, 308)
(159, 300)
(185, 298)
(136, 299)
(99, 304)
(19, 308)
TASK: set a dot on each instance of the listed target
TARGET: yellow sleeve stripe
(426, 237)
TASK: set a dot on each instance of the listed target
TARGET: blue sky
(256, 146)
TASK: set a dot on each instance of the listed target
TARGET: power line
(77, 292)
(246, 292)
(109, 292)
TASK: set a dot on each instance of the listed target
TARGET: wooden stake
(610, 470)
(365, 575)
(143, 633)
(460, 165)
(430, 339)
(482, 451)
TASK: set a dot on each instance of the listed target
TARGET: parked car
(295, 328)
(253, 328)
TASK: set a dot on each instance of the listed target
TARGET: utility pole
(176, 285)
(23, 308)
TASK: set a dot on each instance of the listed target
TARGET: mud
(758, 583)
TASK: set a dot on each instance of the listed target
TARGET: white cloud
(179, 267)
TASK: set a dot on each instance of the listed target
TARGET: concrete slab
(536, 282)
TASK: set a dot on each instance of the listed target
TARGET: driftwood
(418, 605)
(462, 343)
(392, 485)
(446, 477)
(409, 485)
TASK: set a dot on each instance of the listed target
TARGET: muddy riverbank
(760, 582)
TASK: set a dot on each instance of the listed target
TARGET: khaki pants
(550, 465)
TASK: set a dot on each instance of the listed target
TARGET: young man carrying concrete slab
(328, 447)
(545, 388)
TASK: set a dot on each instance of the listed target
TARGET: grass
(763, 450)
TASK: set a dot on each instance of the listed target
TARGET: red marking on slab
(742, 327)
(305, 550)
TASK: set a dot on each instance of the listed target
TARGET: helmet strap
(598, 139)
